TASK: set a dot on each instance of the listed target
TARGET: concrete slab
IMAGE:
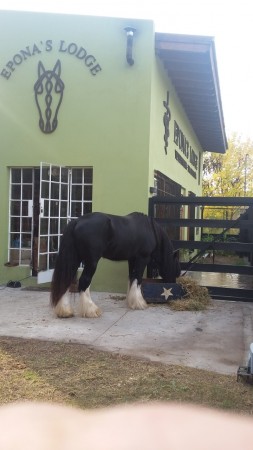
(217, 339)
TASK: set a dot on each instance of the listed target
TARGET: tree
(228, 175)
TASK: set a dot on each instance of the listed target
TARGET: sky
(230, 22)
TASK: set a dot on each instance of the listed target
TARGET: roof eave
(190, 62)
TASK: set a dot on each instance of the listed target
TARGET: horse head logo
(48, 96)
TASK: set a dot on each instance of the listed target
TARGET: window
(81, 191)
(21, 221)
(60, 201)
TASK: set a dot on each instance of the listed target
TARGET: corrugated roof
(190, 62)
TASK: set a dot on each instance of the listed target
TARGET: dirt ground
(76, 374)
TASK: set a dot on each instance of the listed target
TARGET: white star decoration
(167, 293)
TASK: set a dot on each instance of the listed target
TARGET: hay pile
(196, 297)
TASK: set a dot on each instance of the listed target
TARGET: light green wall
(103, 119)
(100, 117)
(112, 121)
(158, 160)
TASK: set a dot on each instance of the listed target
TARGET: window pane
(53, 244)
(45, 173)
(54, 226)
(45, 190)
(55, 190)
(16, 175)
(54, 208)
(25, 257)
(64, 209)
(64, 192)
(43, 262)
(46, 208)
(64, 174)
(26, 240)
(77, 176)
(16, 191)
(14, 240)
(24, 211)
(27, 192)
(27, 176)
(87, 193)
(43, 245)
(55, 173)
(52, 259)
(87, 208)
(76, 192)
(26, 224)
(76, 209)
(15, 224)
(15, 208)
(44, 226)
(88, 175)
(63, 223)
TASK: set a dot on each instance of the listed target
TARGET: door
(53, 216)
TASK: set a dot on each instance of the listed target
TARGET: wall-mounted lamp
(129, 50)
(153, 190)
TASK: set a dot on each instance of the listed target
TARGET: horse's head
(48, 95)
(169, 266)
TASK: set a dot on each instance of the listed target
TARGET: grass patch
(78, 375)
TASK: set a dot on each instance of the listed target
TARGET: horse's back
(92, 225)
(114, 237)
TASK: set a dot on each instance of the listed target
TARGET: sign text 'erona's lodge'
(73, 49)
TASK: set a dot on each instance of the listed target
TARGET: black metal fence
(241, 243)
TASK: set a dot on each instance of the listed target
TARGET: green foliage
(228, 175)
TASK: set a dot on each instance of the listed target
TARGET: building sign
(166, 122)
(184, 153)
(72, 49)
(48, 91)
(49, 86)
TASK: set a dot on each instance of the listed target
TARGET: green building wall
(158, 159)
(111, 116)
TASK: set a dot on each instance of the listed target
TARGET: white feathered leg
(134, 297)
(64, 308)
(87, 306)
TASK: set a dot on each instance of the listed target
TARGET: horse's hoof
(143, 305)
(139, 303)
(92, 313)
(65, 315)
(140, 306)
(98, 312)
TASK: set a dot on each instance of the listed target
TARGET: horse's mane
(158, 231)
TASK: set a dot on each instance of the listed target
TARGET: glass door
(53, 217)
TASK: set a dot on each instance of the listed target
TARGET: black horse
(136, 238)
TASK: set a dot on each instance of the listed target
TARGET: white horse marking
(134, 297)
(87, 306)
(63, 308)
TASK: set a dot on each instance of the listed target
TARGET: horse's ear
(57, 68)
(41, 69)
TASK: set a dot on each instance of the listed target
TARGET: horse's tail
(66, 264)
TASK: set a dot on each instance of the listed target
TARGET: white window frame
(85, 206)
(17, 252)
